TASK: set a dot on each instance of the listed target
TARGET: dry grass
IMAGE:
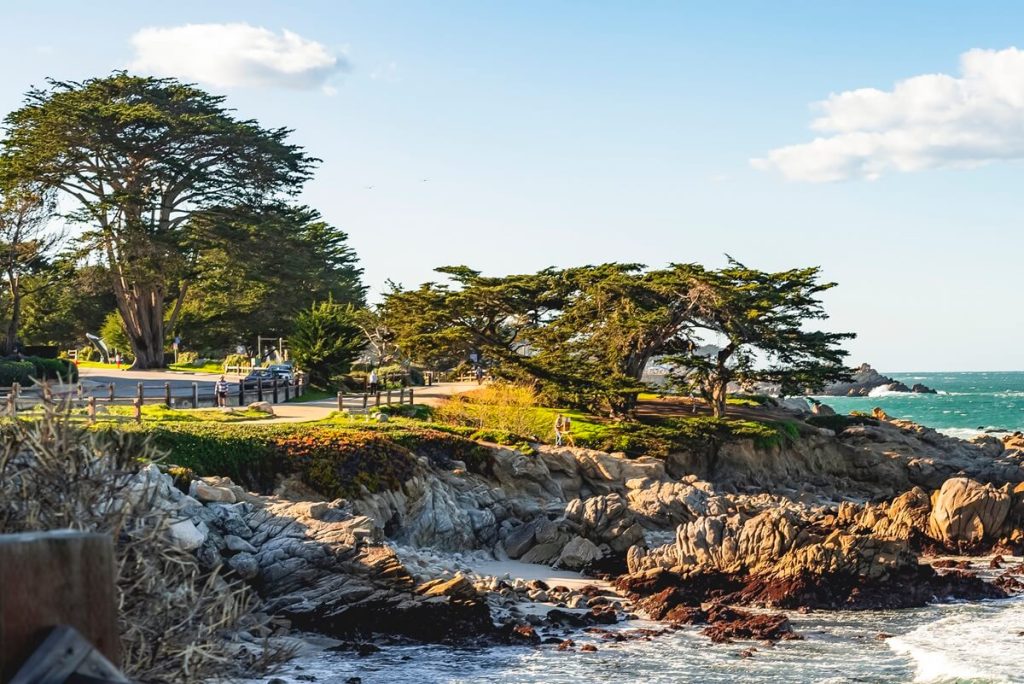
(507, 407)
(177, 618)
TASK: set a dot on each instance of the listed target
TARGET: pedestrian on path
(559, 426)
(221, 390)
(374, 383)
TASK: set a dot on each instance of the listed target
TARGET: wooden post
(140, 396)
(138, 409)
(55, 578)
(410, 396)
(241, 392)
(401, 396)
(287, 389)
(110, 392)
(341, 401)
(15, 389)
(79, 389)
(378, 399)
(167, 394)
(259, 388)
(389, 397)
(195, 395)
(12, 404)
(366, 400)
(91, 409)
(275, 390)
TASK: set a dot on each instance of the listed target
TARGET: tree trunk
(718, 397)
(141, 310)
(15, 322)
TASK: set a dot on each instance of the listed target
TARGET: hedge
(29, 368)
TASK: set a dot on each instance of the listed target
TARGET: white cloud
(235, 55)
(925, 122)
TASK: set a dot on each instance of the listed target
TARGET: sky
(880, 141)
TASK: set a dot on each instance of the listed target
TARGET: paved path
(302, 412)
(96, 380)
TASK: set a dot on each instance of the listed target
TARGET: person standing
(567, 431)
(479, 375)
(221, 391)
(373, 381)
(559, 425)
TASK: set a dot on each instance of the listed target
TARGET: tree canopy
(142, 158)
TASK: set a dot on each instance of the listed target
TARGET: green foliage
(16, 372)
(173, 152)
(186, 358)
(232, 360)
(761, 317)
(88, 353)
(64, 300)
(501, 406)
(113, 334)
(257, 269)
(325, 342)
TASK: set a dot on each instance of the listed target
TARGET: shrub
(31, 368)
(325, 342)
(838, 423)
(87, 353)
(501, 406)
(114, 334)
(16, 372)
(236, 360)
(188, 357)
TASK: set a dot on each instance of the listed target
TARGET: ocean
(966, 403)
(978, 642)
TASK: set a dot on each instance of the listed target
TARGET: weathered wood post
(140, 395)
(410, 396)
(15, 389)
(12, 404)
(138, 409)
(259, 388)
(241, 392)
(377, 399)
(91, 409)
(167, 394)
(366, 400)
(389, 397)
(110, 392)
(195, 395)
(274, 395)
(55, 578)
(401, 396)
(287, 389)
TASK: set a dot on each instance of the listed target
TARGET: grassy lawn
(160, 413)
(100, 364)
(209, 366)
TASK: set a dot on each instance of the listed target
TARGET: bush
(501, 406)
(236, 360)
(188, 357)
(114, 334)
(87, 353)
(838, 423)
(27, 370)
(325, 342)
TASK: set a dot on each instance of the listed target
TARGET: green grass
(160, 413)
(100, 364)
(312, 395)
(208, 366)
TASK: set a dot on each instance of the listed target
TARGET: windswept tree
(141, 157)
(25, 241)
(586, 334)
(758, 321)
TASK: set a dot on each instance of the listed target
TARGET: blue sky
(513, 136)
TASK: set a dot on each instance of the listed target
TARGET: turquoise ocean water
(966, 402)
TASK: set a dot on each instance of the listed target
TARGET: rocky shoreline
(710, 537)
(866, 379)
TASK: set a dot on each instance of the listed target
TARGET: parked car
(281, 370)
(264, 375)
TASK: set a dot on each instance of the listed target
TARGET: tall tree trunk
(719, 393)
(141, 310)
(15, 323)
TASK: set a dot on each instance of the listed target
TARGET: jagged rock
(186, 535)
(245, 565)
(578, 553)
(542, 554)
(965, 512)
(605, 519)
(237, 544)
(209, 494)
(261, 406)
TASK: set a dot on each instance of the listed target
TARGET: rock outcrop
(866, 379)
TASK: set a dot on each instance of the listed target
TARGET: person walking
(559, 425)
(221, 391)
(374, 383)
(479, 375)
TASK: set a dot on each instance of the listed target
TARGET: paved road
(317, 410)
